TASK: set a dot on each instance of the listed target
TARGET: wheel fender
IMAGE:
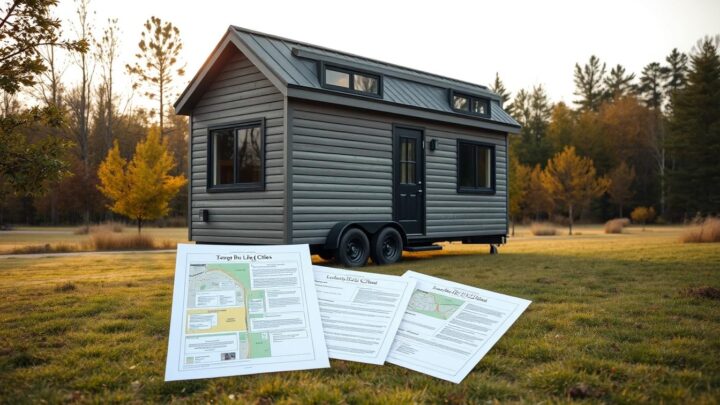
(369, 227)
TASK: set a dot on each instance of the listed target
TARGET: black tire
(354, 248)
(327, 254)
(387, 246)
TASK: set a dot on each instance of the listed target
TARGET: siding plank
(240, 92)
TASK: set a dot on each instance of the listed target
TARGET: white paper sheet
(361, 312)
(448, 327)
(243, 310)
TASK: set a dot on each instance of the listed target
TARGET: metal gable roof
(295, 64)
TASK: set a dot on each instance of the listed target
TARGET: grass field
(614, 318)
(22, 237)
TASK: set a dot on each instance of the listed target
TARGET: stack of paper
(253, 309)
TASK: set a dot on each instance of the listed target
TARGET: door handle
(420, 191)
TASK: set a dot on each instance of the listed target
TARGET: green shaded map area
(434, 305)
(240, 272)
(258, 344)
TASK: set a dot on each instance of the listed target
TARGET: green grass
(611, 321)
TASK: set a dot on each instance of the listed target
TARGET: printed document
(243, 310)
(448, 327)
(361, 312)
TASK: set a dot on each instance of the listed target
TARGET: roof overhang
(327, 96)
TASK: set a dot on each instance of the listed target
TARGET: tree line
(649, 141)
(51, 153)
(628, 141)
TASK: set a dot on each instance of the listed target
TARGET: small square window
(337, 78)
(479, 106)
(366, 84)
(460, 103)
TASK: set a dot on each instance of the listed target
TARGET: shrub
(616, 225)
(707, 231)
(543, 229)
(643, 215)
(111, 241)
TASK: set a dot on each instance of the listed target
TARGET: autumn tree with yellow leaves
(142, 188)
(572, 181)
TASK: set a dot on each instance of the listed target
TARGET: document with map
(243, 310)
(361, 312)
(448, 327)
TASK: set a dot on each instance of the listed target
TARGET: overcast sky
(527, 42)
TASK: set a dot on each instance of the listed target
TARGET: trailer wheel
(387, 246)
(354, 248)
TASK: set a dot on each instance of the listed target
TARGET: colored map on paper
(434, 305)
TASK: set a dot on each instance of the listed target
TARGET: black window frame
(352, 72)
(235, 187)
(471, 99)
(476, 189)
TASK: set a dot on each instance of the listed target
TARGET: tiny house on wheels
(296, 143)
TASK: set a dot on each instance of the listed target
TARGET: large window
(236, 157)
(351, 81)
(470, 104)
(476, 167)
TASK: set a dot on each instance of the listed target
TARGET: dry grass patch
(112, 241)
(46, 248)
(616, 225)
(543, 229)
(708, 231)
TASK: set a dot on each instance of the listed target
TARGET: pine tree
(498, 88)
(532, 111)
(651, 85)
(694, 137)
(589, 84)
(155, 67)
(572, 182)
(141, 189)
(618, 84)
(651, 92)
(676, 75)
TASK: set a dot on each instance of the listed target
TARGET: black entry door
(409, 201)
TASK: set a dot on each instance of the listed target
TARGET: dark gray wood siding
(240, 92)
(449, 213)
(342, 171)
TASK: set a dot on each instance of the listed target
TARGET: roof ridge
(301, 43)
